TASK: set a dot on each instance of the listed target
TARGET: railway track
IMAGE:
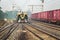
(34, 34)
(48, 26)
(39, 34)
(27, 31)
(26, 34)
(22, 35)
(18, 33)
(7, 30)
(3, 26)
(55, 34)
(53, 25)
(2, 23)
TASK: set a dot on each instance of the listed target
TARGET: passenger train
(22, 17)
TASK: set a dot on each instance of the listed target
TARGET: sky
(51, 5)
(19, 4)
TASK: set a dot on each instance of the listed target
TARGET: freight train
(52, 16)
(22, 17)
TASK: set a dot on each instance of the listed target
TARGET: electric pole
(42, 6)
(13, 6)
(32, 7)
(42, 1)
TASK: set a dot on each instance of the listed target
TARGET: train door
(50, 16)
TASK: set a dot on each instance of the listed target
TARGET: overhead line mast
(32, 6)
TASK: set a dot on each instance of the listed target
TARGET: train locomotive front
(22, 17)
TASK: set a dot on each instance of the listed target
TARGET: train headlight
(5, 19)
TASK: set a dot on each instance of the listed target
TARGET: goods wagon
(36, 15)
(32, 16)
(44, 16)
(48, 16)
(56, 16)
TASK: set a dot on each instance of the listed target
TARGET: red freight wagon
(41, 15)
(48, 16)
(35, 15)
(56, 15)
(44, 15)
(38, 16)
(32, 16)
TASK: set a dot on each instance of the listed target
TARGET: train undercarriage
(22, 21)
